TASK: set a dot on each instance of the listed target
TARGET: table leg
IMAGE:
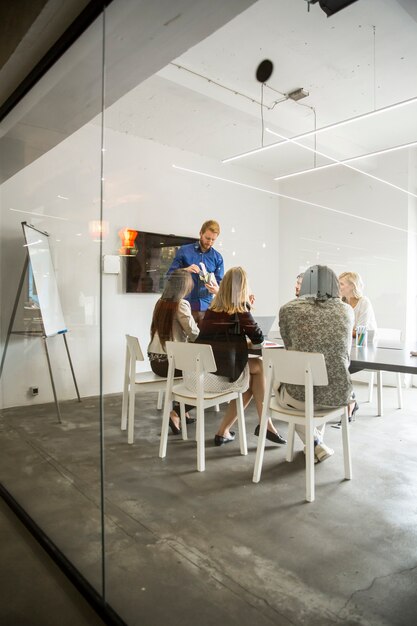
(379, 393)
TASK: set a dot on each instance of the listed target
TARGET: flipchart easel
(52, 323)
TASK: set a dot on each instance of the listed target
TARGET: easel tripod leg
(72, 369)
(52, 380)
(13, 315)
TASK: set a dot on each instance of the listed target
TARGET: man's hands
(213, 289)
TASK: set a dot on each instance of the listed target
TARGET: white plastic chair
(385, 335)
(196, 359)
(145, 381)
(299, 368)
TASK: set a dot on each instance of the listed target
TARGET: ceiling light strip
(254, 151)
(357, 158)
(55, 217)
(323, 129)
(355, 169)
(282, 195)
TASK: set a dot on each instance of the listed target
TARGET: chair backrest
(290, 366)
(134, 348)
(186, 356)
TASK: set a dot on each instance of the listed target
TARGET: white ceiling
(140, 38)
(361, 59)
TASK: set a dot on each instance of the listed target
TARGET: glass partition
(192, 539)
(50, 324)
(85, 167)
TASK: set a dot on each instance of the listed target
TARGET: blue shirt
(191, 254)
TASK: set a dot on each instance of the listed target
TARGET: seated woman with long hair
(172, 321)
(229, 313)
(351, 291)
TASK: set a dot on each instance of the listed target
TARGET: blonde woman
(229, 319)
(351, 291)
(172, 321)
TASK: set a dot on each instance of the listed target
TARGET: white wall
(72, 171)
(412, 257)
(142, 191)
(156, 197)
(363, 229)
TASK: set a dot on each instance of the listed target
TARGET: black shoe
(190, 420)
(175, 429)
(351, 418)
(355, 408)
(219, 440)
(275, 437)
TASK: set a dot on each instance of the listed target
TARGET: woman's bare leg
(175, 419)
(256, 391)
(351, 406)
(258, 388)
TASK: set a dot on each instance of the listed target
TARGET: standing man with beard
(205, 265)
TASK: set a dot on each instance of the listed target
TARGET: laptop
(265, 323)
(391, 344)
(390, 338)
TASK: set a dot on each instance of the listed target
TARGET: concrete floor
(33, 590)
(192, 548)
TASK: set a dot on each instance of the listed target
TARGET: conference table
(395, 358)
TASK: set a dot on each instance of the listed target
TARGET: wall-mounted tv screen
(146, 270)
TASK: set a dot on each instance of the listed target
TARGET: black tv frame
(146, 269)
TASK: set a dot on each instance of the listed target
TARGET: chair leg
(131, 415)
(379, 389)
(123, 423)
(164, 430)
(183, 422)
(309, 430)
(399, 391)
(241, 425)
(290, 443)
(126, 381)
(160, 402)
(261, 446)
(346, 445)
(371, 387)
(201, 456)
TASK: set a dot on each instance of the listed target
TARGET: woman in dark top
(227, 325)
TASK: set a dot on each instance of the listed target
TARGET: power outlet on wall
(33, 391)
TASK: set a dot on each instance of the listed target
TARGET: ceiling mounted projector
(331, 6)
(298, 94)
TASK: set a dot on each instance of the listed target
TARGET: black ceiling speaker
(264, 70)
(332, 6)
